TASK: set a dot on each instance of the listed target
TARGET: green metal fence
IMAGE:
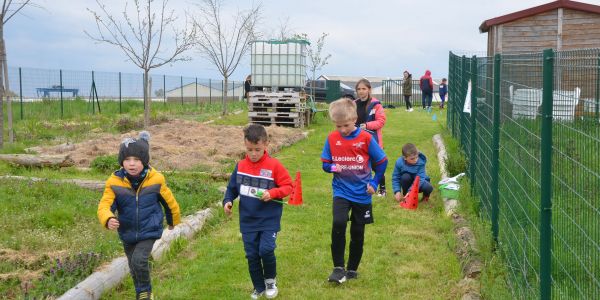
(532, 140)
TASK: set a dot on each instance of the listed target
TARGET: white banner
(467, 108)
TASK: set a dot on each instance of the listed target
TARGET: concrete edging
(466, 248)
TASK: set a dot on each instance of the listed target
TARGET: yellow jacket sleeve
(108, 197)
(172, 211)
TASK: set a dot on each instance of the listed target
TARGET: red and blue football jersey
(354, 154)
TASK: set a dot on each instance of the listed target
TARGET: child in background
(408, 166)
(349, 153)
(257, 180)
(407, 90)
(137, 192)
(426, 84)
(371, 118)
(443, 92)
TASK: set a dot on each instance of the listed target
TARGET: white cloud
(376, 37)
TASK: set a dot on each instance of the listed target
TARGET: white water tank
(277, 63)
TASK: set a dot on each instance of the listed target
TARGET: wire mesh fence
(50, 94)
(532, 140)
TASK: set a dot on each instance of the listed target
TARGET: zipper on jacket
(137, 205)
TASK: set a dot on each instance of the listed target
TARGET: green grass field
(408, 254)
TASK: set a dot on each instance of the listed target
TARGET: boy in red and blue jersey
(257, 180)
(349, 153)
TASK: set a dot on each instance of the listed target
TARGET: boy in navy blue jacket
(257, 180)
(443, 92)
(408, 166)
(349, 153)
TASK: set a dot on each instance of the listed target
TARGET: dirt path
(179, 145)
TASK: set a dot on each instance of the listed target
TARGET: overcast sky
(366, 38)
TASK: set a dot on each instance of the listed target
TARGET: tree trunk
(1, 109)
(225, 87)
(146, 100)
(2, 90)
(94, 185)
(31, 160)
(313, 86)
(110, 275)
(4, 59)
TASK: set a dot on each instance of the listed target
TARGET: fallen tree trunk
(109, 276)
(88, 184)
(31, 160)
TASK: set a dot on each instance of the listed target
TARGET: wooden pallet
(293, 115)
(275, 97)
(279, 121)
(277, 107)
(261, 94)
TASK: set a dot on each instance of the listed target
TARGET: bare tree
(225, 46)
(141, 38)
(285, 31)
(315, 59)
(9, 10)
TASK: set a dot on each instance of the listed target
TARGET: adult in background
(371, 118)
(247, 86)
(407, 90)
(426, 84)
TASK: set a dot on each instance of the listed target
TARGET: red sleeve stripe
(381, 161)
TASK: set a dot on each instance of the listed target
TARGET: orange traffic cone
(411, 201)
(296, 196)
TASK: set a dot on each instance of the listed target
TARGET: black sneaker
(338, 275)
(381, 193)
(351, 274)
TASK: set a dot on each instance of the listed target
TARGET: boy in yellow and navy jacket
(136, 193)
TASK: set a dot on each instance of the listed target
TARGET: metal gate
(393, 94)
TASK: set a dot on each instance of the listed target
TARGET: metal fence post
(473, 142)
(209, 91)
(546, 177)
(196, 97)
(61, 95)
(461, 119)
(496, 149)
(21, 91)
(597, 117)
(181, 88)
(451, 90)
(120, 95)
(92, 93)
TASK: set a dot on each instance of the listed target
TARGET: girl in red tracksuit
(371, 118)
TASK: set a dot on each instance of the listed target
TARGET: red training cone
(411, 201)
(296, 196)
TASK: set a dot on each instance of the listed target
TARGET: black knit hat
(139, 148)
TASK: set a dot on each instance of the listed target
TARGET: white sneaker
(255, 295)
(410, 109)
(271, 291)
